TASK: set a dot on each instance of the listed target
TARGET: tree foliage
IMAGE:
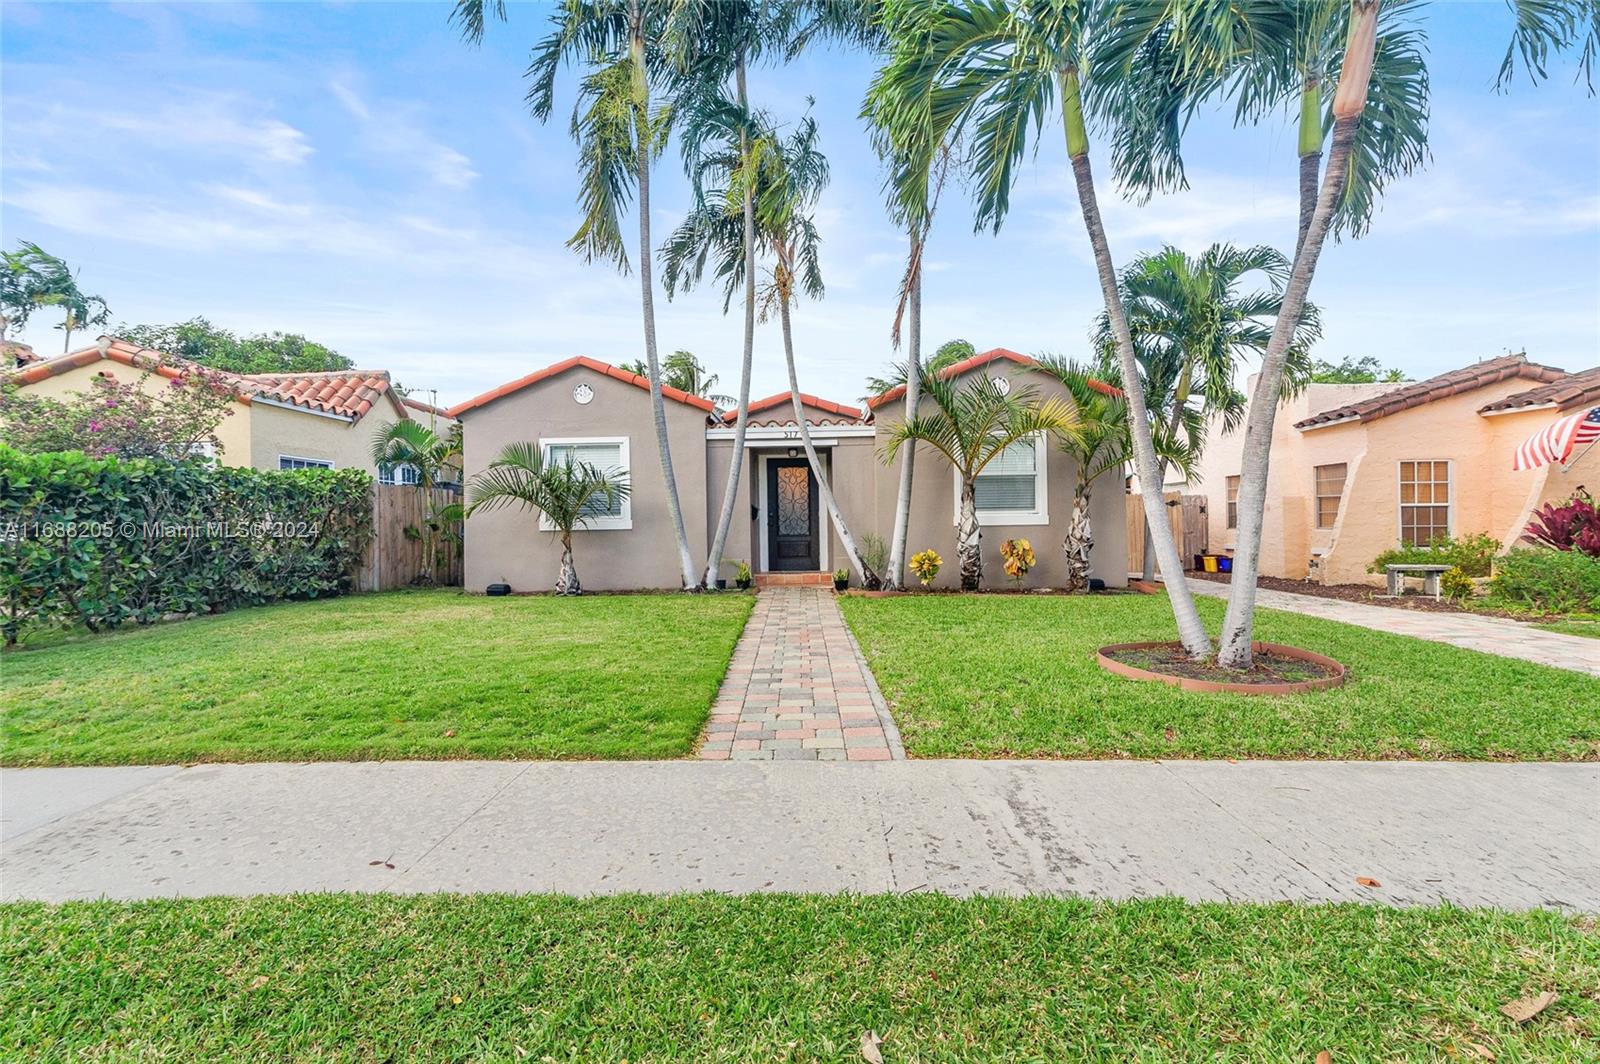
(211, 345)
(1352, 370)
(151, 417)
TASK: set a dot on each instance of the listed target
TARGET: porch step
(794, 579)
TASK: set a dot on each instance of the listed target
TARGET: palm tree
(1191, 324)
(568, 493)
(1101, 445)
(683, 371)
(1373, 128)
(988, 71)
(619, 129)
(411, 443)
(946, 355)
(790, 175)
(80, 311)
(971, 425)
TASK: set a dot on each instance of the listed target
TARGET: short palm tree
(1102, 444)
(1192, 321)
(971, 425)
(411, 443)
(568, 493)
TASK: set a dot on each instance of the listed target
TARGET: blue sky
(356, 173)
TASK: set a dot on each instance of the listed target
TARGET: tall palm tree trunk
(1310, 155)
(969, 538)
(730, 493)
(1238, 625)
(1190, 629)
(894, 579)
(567, 580)
(868, 577)
(658, 405)
(1080, 538)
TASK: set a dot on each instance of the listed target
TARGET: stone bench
(1429, 573)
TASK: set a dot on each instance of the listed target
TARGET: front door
(792, 541)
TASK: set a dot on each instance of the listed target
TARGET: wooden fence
(394, 558)
(1187, 515)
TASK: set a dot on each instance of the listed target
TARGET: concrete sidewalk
(1491, 635)
(1515, 836)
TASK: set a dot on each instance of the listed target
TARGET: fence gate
(394, 557)
(1186, 515)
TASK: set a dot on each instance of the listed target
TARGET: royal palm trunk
(730, 492)
(1238, 626)
(895, 578)
(1190, 629)
(658, 406)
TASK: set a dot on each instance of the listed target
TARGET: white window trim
(397, 481)
(316, 463)
(1039, 515)
(1450, 505)
(594, 524)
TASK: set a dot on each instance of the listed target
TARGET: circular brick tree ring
(1335, 677)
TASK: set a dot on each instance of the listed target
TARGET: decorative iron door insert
(792, 541)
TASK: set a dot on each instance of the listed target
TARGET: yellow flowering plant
(926, 565)
(1019, 558)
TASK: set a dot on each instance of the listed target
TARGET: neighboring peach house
(1359, 469)
(279, 420)
(602, 414)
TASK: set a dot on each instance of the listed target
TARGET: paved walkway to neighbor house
(1511, 835)
(1492, 635)
(798, 689)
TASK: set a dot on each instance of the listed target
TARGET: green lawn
(783, 977)
(412, 674)
(1578, 624)
(1000, 676)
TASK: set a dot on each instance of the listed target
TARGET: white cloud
(216, 122)
(397, 133)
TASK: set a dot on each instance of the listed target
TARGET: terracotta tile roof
(426, 408)
(1457, 381)
(969, 364)
(116, 351)
(1574, 390)
(698, 401)
(844, 414)
(13, 353)
(346, 393)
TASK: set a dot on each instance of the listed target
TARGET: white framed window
(1425, 502)
(1329, 488)
(1233, 502)
(289, 461)
(1011, 488)
(607, 453)
(404, 473)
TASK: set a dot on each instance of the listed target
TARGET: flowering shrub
(1573, 525)
(1018, 555)
(926, 565)
(98, 542)
(120, 419)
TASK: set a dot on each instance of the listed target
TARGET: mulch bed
(1371, 596)
(1267, 666)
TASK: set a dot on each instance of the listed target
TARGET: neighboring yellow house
(279, 420)
(1359, 469)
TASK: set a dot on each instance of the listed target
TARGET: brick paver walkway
(1492, 635)
(798, 689)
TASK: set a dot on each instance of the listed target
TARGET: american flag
(1557, 441)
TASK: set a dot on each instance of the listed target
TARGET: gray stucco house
(602, 414)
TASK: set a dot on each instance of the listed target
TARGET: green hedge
(98, 542)
(1473, 554)
(1547, 580)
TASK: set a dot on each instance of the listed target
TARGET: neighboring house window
(404, 473)
(1011, 488)
(608, 454)
(1233, 502)
(286, 461)
(1330, 489)
(1424, 502)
